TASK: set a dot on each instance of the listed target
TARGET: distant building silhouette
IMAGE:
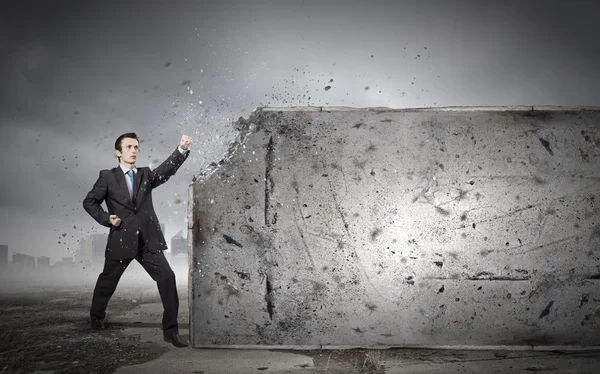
(23, 262)
(3, 256)
(178, 244)
(65, 262)
(92, 248)
(84, 254)
(43, 262)
(179, 252)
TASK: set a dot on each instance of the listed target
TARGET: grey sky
(75, 75)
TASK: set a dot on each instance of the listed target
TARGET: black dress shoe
(98, 324)
(176, 340)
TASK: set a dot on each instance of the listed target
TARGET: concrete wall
(378, 227)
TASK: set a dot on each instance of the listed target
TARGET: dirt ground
(50, 331)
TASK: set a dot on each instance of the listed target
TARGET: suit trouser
(157, 267)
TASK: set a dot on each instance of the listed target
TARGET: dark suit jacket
(112, 188)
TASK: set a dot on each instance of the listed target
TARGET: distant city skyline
(97, 241)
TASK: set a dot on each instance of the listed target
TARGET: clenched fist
(114, 220)
(185, 143)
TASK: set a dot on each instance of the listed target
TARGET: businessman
(134, 229)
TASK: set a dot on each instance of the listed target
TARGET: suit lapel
(120, 176)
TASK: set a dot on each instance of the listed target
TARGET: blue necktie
(130, 173)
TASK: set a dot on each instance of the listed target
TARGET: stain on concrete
(269, 298)
(269, 182)
(584, 299)
(539, 180)
(584, 156)
(359, 164)
(243, 275)
(442, 211)
(546, 145)
(375, 233)
(231, 240)
(591, 318)
(318, 286)
(231, 289)
(595, 235)
(484, 275)
(246, 229)
(546, 310)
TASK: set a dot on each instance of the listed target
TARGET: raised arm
(170, 166)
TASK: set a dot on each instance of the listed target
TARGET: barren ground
(50, 331)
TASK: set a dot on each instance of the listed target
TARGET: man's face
(129, 150)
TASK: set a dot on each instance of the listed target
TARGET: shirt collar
(126, 170)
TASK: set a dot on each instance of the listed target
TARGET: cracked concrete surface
(417, 227)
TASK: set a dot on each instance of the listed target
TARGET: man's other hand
(114, 220)
(185, 143)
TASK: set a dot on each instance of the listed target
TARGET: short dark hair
(118, 145)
